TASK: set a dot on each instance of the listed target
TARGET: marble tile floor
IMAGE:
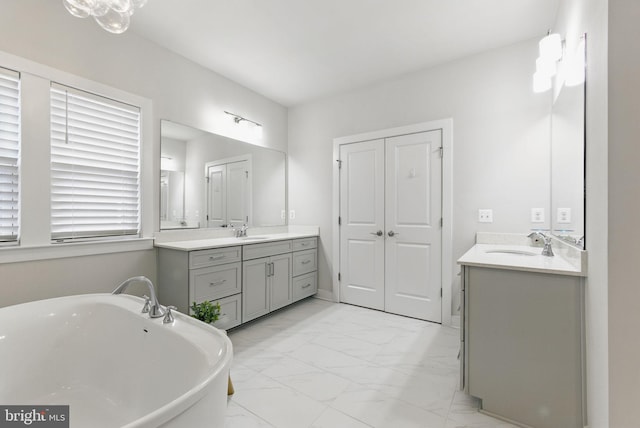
(318, 364)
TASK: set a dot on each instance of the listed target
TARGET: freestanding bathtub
(113, 365)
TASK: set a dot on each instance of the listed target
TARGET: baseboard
(324, 295)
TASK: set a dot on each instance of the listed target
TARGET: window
(95, 166)
(9, 154)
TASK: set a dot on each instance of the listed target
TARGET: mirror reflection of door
(164, 196)
(229, 192)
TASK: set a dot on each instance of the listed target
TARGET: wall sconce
(554, 58)
(248, 123)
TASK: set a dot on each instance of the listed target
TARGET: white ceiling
(293, 51)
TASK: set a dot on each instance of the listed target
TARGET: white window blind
(95, 166)
(9, 154)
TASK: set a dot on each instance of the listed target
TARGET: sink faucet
(547, 250)
(241, 232)
(154, 307)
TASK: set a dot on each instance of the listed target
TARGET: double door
(228, 193)
(266, 285)
(391, 224)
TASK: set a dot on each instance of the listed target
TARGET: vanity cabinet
(248, 280)
(522, 345)
(275, 275)
(214, 274)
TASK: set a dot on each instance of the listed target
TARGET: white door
(391, 233)
(362, 224)
(217, 196)
(413, 248)
(237, 195)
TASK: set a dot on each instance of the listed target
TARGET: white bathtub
(113, 365)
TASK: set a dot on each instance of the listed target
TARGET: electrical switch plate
(537, 215)
(485, 216)
(292, 214)
(564, 215)
(283, 214)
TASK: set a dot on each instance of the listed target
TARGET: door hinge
(441, 151)
(339, 163)
(440, 291)
(339, 277)
(339, 221)
(247, 173)
(207, 217)
(441, 222)
(207, 177)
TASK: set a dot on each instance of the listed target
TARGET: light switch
(485, 216)
(292, 214)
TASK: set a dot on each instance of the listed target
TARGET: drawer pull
(306, 286)
(212, 258)
(304, 244)
(213, 284)
(306, 262)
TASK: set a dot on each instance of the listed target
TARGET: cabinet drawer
(305, 286)
(214, 282)
(230, 312)
(304, 262)
(255, 251)
(213, 257)
(305, 244)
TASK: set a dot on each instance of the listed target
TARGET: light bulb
(546, 67)
(76, 11)
(551, 47)
(541, 83)
(123, 6)
(101, 8)
(114, 22)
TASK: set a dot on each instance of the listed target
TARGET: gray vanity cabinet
(213, 274)
(522, 345)
(248, 280)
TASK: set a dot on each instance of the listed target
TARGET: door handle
(392, 233)
(378, 233)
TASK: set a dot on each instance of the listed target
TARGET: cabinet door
(281, 292)
(255, 290)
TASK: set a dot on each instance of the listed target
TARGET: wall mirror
(207, 180)
(568, 149)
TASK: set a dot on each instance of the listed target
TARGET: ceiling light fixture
(112, 15)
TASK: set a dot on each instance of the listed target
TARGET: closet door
(413, 212)
(362, 224)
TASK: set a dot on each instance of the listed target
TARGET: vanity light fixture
(554, 58)
(112, 15)
(239, 119)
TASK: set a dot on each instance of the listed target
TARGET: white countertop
(203, 244)
(479, 256)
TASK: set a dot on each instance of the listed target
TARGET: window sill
(17, 253)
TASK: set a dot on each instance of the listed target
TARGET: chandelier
(112, 15)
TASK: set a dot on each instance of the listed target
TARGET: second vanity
(522, 335)
(248, 276)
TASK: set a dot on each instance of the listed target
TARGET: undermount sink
(252, 238)
(516, 252)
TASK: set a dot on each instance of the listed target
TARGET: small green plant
(206, 311)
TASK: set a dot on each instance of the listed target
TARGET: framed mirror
(568, 154)
(226, 182)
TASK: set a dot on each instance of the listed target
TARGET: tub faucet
(547, 250)
(154, 307)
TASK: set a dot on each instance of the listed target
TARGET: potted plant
(206, 311)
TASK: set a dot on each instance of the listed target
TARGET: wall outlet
(564, 215)
(537, 215)
(485, 216)
(283, 214)
(292, 214)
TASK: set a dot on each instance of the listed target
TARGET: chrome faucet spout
(547, 250)
(155, 308)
